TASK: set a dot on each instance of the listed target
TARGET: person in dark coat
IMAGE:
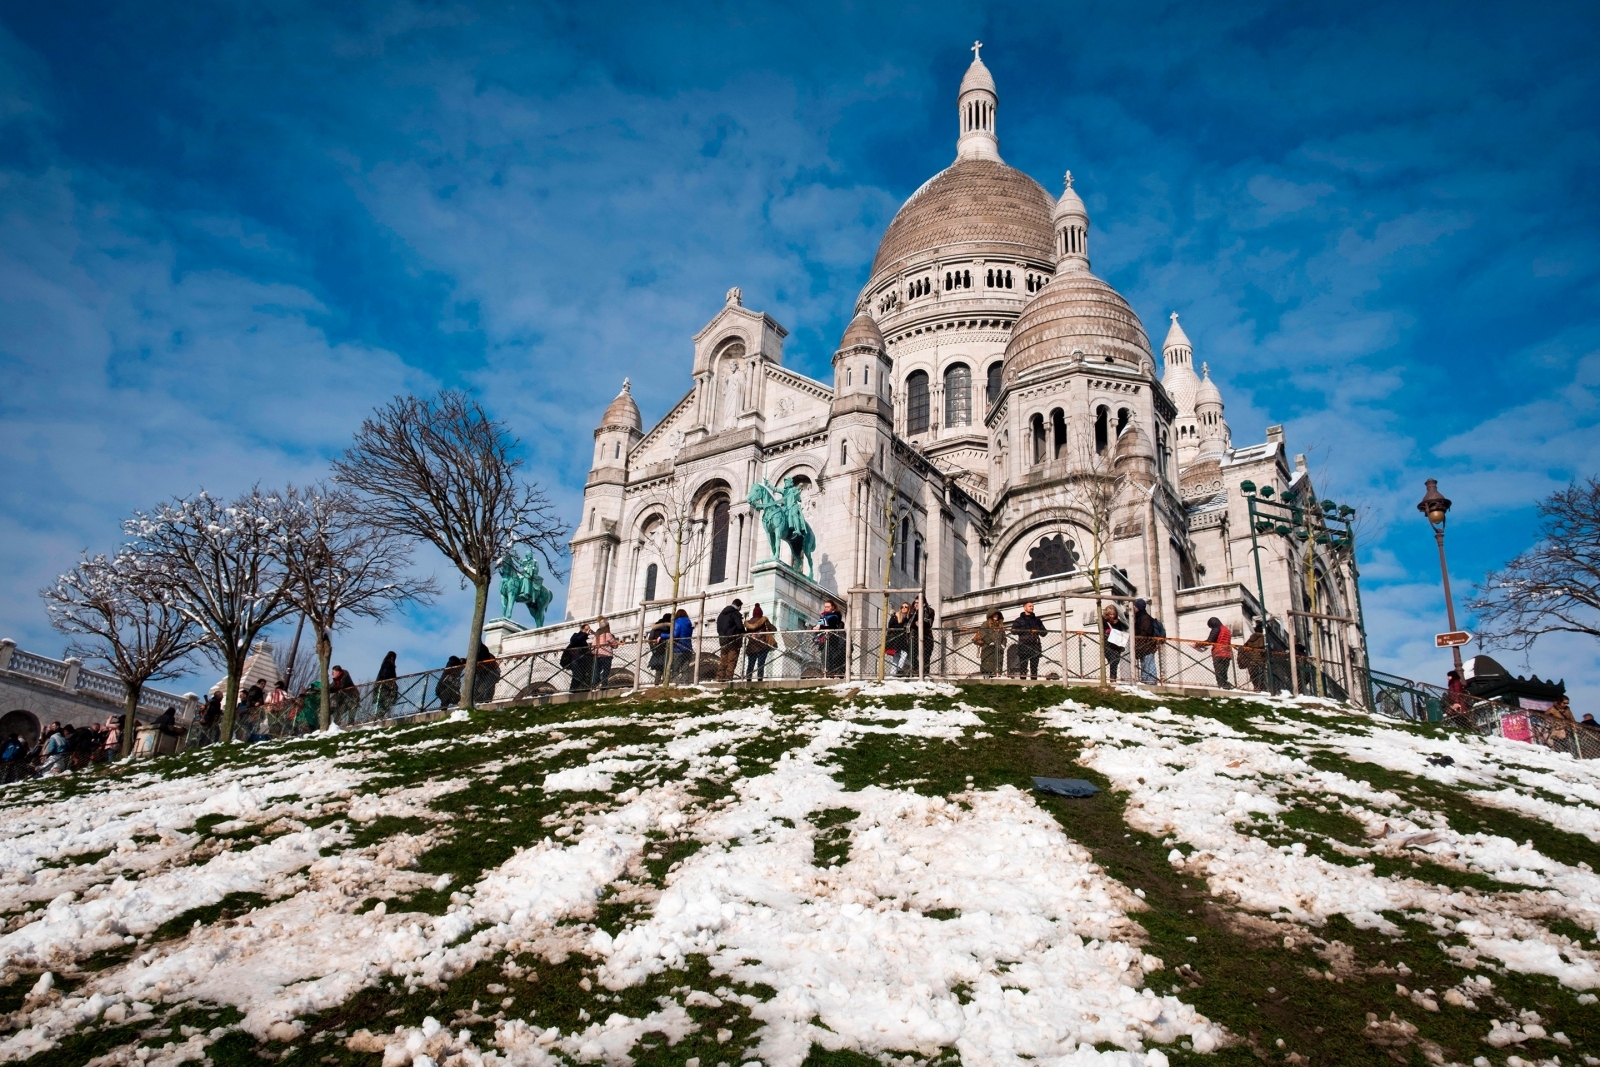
(1146, 641)
(449, 688)
(730, 638)
(1253, 657)
(922, 638)
(387, 693)
(897, 640)
(831, 639)
(485, 676)
(660, 639)
(1030, 631)
(577, 658)
(991, 641)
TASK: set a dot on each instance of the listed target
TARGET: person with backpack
(659, 640)
(759, 640)
(1147, 635)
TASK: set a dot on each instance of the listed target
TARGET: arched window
(966, 276)
(917, 402)
(617, 454)
(650, 582)
(1008, 279)
(958, 395)
(1102, 428)
(916, 560)
(719, 542)
(1058, 433)
(989, 279)
(993, 386)
(905, 536)
(1123, 415)
(844, 453)
(1053, 555)
(949, 282)
(1037, 424)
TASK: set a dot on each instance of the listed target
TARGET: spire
(1072, 229)
(1176, 349)
(976, 103)
(1215, 438)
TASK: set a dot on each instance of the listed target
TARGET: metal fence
(1402, 698)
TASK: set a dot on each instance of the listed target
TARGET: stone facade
(995, 427)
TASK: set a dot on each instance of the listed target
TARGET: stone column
(7, 647)
(69, 682)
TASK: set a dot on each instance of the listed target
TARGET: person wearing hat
(730, 632)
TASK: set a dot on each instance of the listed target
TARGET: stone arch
(23, 723)
(1015, 540)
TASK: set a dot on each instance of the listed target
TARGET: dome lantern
(976, 103)
(1071, 220)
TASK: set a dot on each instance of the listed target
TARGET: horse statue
(784, 522)
(520, 584)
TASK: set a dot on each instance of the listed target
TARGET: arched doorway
(25, 724)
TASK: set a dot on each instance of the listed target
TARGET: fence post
(1294, 663)
(700, 636)
(69, 681)
(638, 658)
(849, 654)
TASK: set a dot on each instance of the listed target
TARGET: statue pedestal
(495, 632)
(789, 598)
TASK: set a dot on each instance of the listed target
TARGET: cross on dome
(976, 45)
(1068, 179)
(1174, 318)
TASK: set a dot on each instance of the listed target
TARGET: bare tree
(216, 564)
(441, 470)
(678, 536)
(1554, 587)
(132, 631)
(339, 568)
(296, 666)
(1096, 489)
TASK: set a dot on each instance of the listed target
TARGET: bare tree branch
(215, 564)
(441, 470)
(339, 567)
(1554, 587)
(131, 630)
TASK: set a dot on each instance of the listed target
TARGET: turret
(1215, 438)
(976, 104)
(1072, 230)
(861, 367)
(1181, 385)
(620, 429)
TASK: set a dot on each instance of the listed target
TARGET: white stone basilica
(988, 391)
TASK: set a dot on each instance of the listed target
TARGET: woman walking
(758, 642)
(387, 692)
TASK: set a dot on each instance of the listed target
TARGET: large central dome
(974, 206)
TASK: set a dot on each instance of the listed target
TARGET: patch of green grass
(229, 907)
(830, 846)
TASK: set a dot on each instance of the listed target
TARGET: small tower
(1072, 230)
(861, 367)
(976, 104)
(1215, 439)
(620, 429)
(1181, 384)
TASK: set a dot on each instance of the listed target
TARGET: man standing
(831, 639)
(1029, 630)
(1147, 632)
(1220, 641)
(730, 632)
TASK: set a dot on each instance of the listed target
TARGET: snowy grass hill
(828, 877)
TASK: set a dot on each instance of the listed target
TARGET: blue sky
(228, 231)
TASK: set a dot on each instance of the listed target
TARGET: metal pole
(1449, 601)
(638, 655)
(1261, 592)
(1063, 628)
(699, 635)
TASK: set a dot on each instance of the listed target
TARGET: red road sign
(1451, 639)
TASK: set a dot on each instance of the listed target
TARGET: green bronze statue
(520, 584)
(785, 522)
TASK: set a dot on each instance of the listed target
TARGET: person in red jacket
(1220, 642)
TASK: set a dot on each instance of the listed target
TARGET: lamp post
(1435, 506)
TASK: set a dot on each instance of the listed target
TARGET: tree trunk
(469, 673)
(230, 696)
(130, 720)
(324, 655)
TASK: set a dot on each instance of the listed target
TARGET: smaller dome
(1076, 313)
(862, 331)
(1070, 203)
(623, 412)
(978, 77)
(1207, 393)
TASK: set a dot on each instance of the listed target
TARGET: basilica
(996, 431)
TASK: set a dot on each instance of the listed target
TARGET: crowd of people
(60, 747)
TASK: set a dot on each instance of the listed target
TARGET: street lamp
(1435, 506)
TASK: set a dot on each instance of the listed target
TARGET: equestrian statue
(785, 523)
(520, 584)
